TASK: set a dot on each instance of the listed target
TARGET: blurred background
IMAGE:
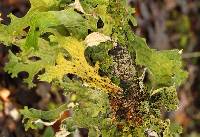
(166, 24)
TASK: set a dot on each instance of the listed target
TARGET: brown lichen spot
(126, 104)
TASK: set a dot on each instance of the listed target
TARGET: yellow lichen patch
(77, 65)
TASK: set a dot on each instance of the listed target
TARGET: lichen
(59, 39)
(78, 66)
